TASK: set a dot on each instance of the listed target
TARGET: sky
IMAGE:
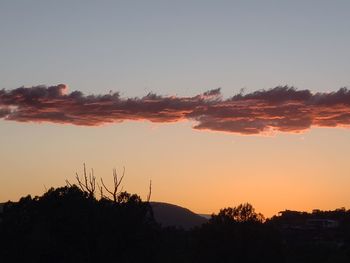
(156, 84)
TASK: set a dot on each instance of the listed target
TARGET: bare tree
(114, 193)
(87, 184)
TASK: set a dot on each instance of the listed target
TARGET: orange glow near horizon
(200, 171)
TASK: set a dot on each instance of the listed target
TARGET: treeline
(69, 224)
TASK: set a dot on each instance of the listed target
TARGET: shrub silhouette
(241, 213)
(68, 225)
(236, 235)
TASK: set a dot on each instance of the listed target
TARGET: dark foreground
(70, 225)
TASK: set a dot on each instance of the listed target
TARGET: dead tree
(87, 184)
(114, 193)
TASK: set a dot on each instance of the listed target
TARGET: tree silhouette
(87, 183)
(241, 213)
(115, 192)
(68, 224)
(236, 235)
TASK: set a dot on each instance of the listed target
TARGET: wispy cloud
(283, 109)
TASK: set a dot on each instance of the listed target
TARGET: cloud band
(283, 109)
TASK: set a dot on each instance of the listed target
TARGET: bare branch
(85, 176)
(100, 188)
(115, 193)
(106, 187)
(89, 185)
(68, 183)
(82, 186)
(149, 191)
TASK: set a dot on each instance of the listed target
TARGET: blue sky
(175, 47)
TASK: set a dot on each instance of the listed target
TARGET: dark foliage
(320, 236)
(237, 235)
(69, 224)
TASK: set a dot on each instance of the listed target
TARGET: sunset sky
(182, 93)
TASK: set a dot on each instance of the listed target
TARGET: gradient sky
(180, 48)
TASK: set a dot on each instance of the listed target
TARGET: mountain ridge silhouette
(168, 215)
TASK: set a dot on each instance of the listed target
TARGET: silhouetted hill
(206, 216)
(173, 215)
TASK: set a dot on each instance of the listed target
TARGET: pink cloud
(282, 109)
